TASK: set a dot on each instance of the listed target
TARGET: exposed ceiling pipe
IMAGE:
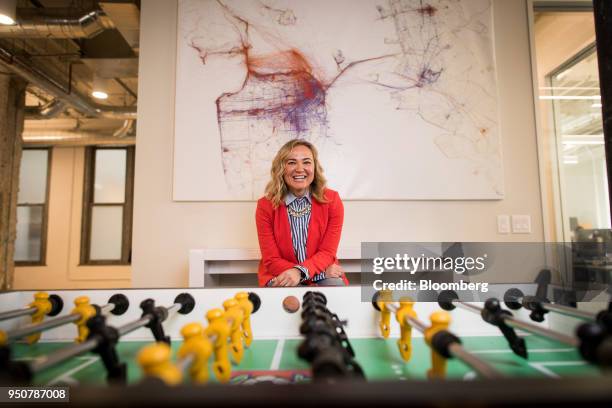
(119, 113)
(74, 138)
(77, 139)
(79, 102)
(125, 129)
(47, 111)
(58, 124)
(74, 124)
(69, 132)
(30, 25)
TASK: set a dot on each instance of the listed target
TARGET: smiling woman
(299, 222)
(299, 170)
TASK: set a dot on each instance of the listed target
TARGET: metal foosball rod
(43, 305)
(593, 339)
(102, 339)
(443, 343)
(493, 313)
(515, 299)
(152, 315)
(186, 362)
(83, 311)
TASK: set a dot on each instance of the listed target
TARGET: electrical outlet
(503, 224)
(521, 224)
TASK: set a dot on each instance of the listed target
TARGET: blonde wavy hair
(276, 190)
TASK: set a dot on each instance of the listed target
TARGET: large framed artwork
(399, 96)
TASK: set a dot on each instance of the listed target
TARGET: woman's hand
(334, 271)
(290, 277)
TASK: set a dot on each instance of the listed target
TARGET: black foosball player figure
(326, 346)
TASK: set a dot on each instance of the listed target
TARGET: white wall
(164, 230)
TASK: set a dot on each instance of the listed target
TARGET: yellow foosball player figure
(86, 312)
(219, 330)
(440, 320)
(385, 313)
(155, 361)
(197, 346)
(235, 315)
(247, 308)
(43, 307)
(406, 310)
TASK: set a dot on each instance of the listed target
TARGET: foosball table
(301, 347)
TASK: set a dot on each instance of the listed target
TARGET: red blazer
(275, 242)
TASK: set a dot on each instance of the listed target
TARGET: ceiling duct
(62, 124)
(126, 18)
(125, 129)
(77, 132)
(79, 102)
(47, 111)
(68, 138)
(74, 124)
(30, 25)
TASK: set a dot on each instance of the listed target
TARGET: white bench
(207, 264)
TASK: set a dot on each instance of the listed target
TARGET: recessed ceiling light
(8, 12)
(6, 20)
(99, 87)
(99, 94)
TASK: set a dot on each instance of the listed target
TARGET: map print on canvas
(399, 96)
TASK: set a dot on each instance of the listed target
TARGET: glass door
(574, 91)
(571, 149)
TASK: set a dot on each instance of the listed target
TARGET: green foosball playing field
(277, 361)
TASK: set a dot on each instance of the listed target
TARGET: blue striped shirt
(299, 231)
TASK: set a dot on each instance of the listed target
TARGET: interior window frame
(42, 261)
(88, 206)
